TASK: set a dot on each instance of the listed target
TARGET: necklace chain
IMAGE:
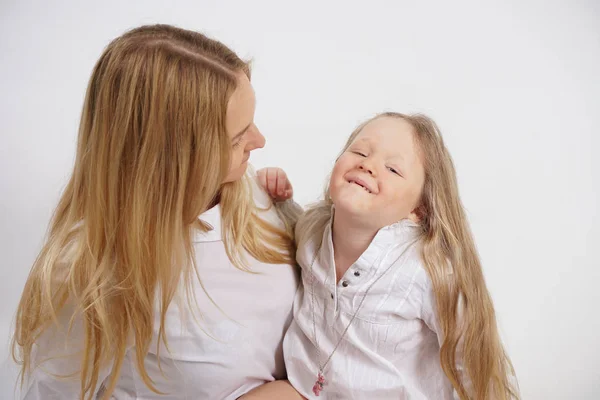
(312, 287)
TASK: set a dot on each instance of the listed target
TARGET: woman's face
(239, 121)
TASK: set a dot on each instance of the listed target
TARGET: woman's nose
(257, 140)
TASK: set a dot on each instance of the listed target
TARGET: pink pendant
(318, 386)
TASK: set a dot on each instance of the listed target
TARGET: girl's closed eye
(395, 171)
(360, 153)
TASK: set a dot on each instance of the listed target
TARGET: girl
(142, 289)
(394, 302)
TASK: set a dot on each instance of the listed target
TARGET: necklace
(321, 382)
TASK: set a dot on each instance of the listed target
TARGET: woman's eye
(360, 154)
(239, 141)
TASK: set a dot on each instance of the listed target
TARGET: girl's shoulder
(412, 266)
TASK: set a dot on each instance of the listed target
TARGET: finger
(289, 193)
(272, 181)
(281, 182)
(267, 188)
(288, 189)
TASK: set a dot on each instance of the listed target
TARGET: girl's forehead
(395, 140)
(386, 126)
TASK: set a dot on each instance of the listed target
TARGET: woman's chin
(237, 174)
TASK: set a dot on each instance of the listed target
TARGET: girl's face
(239, 121)
(379, 179)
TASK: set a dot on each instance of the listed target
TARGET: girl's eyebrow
(397, 157)
(362, 141)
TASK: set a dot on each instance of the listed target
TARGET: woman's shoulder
(283, 215)
(263, 202)
(259, 194)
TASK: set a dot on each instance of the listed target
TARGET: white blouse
(392, 348)
(214, 354)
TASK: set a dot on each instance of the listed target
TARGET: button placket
(332, 307)
(352, 277)
(349, 279)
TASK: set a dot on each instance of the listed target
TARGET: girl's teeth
(362, 187)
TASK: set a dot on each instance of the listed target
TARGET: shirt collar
(388, 237)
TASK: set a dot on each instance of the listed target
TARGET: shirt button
(332, 295)
(345, 284)
(356, 273)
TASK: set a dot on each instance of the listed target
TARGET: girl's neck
(350, 240)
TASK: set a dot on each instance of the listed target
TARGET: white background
(514, 86)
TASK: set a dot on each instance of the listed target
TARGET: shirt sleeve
(56, 361)
(289, 211)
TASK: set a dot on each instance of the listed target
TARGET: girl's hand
(276, 183)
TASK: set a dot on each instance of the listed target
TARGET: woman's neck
(350, 240)
(215, 201)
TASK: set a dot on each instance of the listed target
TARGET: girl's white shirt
(392, 348)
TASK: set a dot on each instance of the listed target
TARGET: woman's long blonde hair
(469, 325)
(152, 155)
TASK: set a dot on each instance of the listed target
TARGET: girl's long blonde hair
(152, 155)
(469, 325)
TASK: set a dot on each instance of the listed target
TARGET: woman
(166, 273)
